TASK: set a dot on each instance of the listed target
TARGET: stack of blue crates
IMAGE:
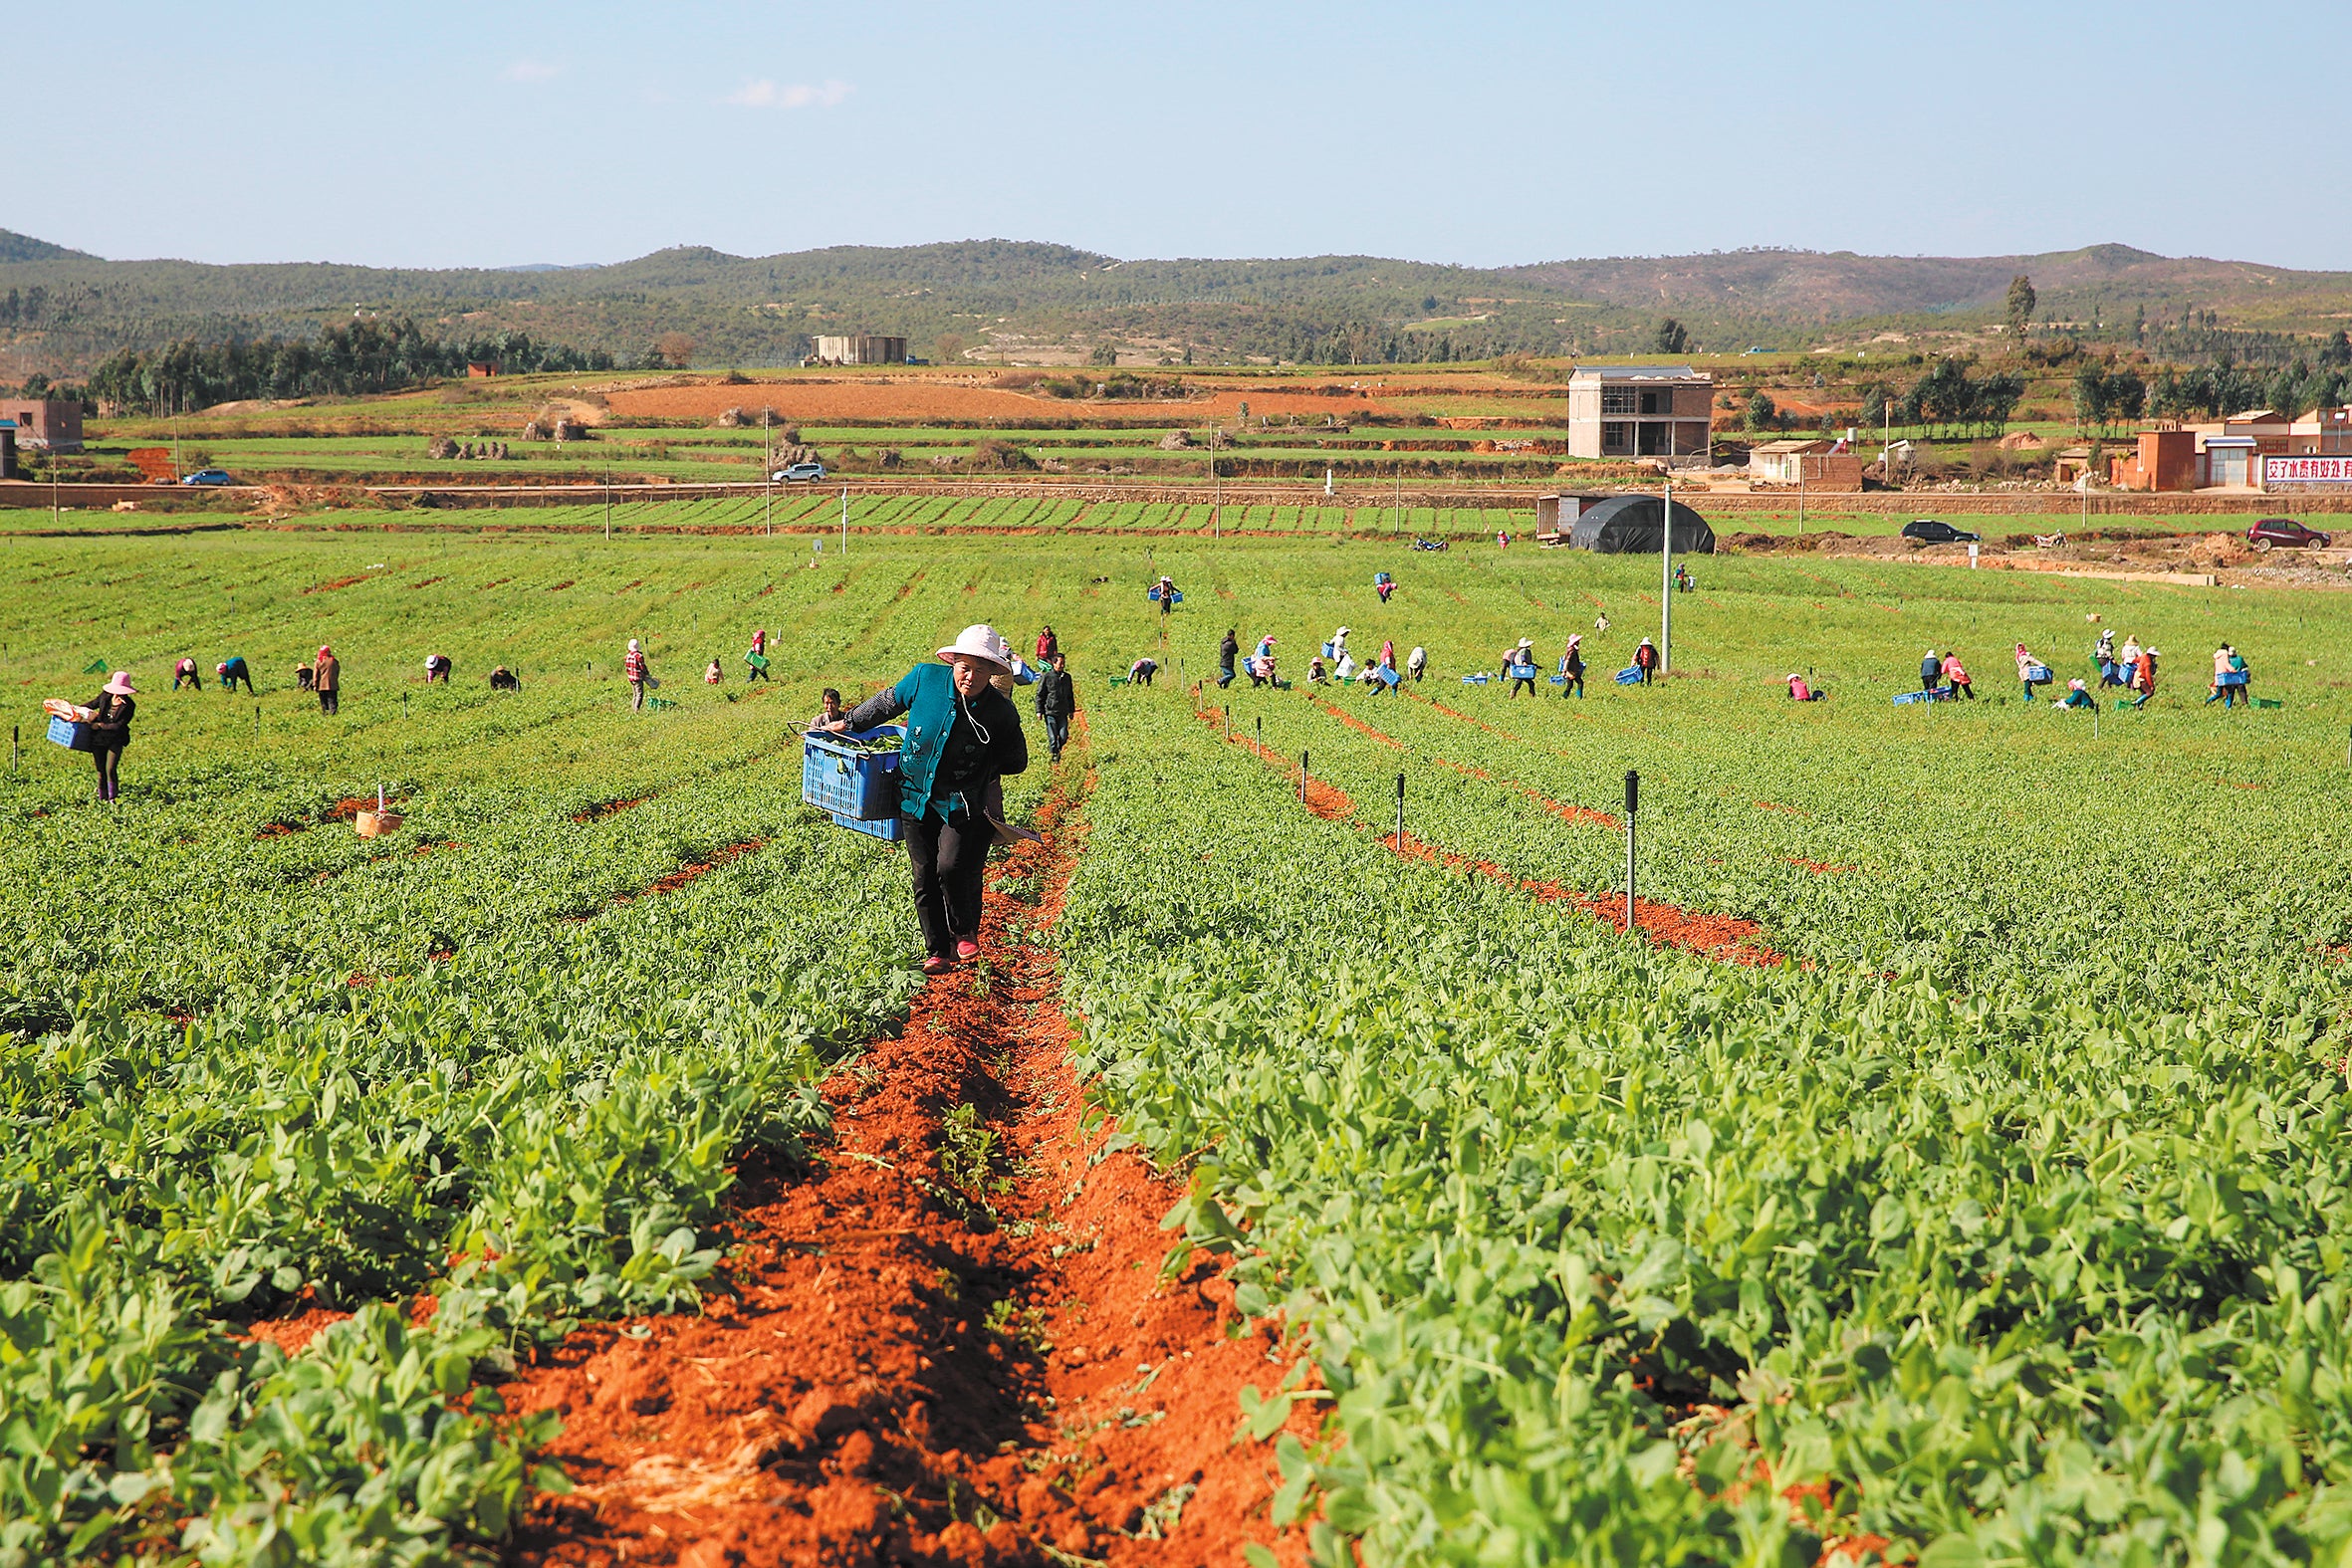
(857, 789)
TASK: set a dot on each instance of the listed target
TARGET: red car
(2285, 531)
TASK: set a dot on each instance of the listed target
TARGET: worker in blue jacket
(963, 737)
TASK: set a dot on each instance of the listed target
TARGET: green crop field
(1954, 1171)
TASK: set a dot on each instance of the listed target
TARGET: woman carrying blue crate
(109, 729)
(2032, 672)
(963, 738)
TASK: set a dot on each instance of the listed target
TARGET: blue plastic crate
(2231, 678)
(70, 734)
(853, 785)
(1932, 694)
(891, 828)
(2037, 673)
(1630, 676)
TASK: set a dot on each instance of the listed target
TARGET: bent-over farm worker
(326, 679)
(962, 737)
(184, 674)
(1931, 670)
(1956, 676)
(1416, 662)
(231, 670)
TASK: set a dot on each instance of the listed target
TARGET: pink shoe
(935, 965)
(966, 950)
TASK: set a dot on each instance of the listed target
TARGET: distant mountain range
(61, 309)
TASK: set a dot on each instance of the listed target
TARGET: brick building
(1640, 410)
(52, 425)
(2162, 460)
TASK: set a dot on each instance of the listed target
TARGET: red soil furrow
(1724, 937)
(1565, 812)
(695, 868)
(1358, 725)
(1569, 813)
(607, 807)
(932, 1349)
(1769, 805)
(1817, 867)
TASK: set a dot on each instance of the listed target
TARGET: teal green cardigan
(927, 696)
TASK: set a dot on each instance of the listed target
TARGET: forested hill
(62, 310)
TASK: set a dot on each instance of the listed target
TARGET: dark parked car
(208, 476)
(2285, 531)
(1928, 531)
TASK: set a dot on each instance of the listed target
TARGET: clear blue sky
(432, 134)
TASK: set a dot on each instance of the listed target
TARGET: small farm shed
(1815, 463)
(1553, 511)
(1629, 525)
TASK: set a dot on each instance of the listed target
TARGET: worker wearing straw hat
(110, 730)
(963, 737)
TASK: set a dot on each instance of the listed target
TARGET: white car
(797, 473)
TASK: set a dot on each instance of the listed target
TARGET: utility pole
(1216, 486)
(1396, 529)
(768, 469)
(844, 520)
(1666, 584)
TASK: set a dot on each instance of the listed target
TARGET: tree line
(345, 360)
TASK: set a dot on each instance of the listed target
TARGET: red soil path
(888, 1375)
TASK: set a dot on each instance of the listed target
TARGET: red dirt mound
(951, 1344)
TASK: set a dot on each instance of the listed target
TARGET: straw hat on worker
(980, 642)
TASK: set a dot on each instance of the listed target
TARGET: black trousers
(948, 862)
(329, 699)
(108, 760)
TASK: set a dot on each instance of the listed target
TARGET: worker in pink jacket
(1956, 676)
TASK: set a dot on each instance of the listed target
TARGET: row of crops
(475, 1082)
(800, 512)
(2001, 1222)
(1982, 1236)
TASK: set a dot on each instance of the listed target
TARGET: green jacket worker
(963, 737)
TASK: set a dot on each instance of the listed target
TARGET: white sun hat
(633, 648)
(120, 684)
(981, 642)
